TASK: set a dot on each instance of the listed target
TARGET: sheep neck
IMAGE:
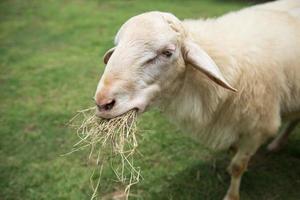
(196, 108)
(195, 100)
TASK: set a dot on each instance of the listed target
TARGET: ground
(50, 63)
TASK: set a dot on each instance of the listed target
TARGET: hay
(112, 143)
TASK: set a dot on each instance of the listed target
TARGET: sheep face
(147, 62)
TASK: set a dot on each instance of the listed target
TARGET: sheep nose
(106, 105)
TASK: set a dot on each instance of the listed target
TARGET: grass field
(50, 63)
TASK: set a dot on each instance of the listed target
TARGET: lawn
(50, 63)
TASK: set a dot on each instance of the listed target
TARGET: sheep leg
(238, 165)
(281, 139)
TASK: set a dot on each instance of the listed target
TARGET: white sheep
(228, 81)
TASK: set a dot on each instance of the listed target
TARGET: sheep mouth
(107, 115)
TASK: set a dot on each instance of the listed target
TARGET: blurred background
(50, 63)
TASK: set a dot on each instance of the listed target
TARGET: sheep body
(258, 51)
(185, 66)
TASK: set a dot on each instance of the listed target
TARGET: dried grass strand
(112, 142)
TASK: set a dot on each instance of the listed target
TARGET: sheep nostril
(106, 107)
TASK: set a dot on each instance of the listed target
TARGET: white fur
(259, 52)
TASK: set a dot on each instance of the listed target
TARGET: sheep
(227, 81)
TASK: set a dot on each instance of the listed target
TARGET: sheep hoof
(231, 197)
(274, 147)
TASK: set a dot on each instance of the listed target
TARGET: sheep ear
(107, 55)
(198, 58)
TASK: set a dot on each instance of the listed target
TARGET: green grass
(50, 62)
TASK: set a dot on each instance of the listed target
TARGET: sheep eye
(167, 53)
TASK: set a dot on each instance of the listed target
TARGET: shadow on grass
(269, 177)
(243, 1)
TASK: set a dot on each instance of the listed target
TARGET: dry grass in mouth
(112, 142)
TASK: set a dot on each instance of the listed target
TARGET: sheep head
(150, 58)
